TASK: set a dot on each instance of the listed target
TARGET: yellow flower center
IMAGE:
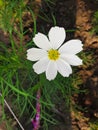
(53, 54)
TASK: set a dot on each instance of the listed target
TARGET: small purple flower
(36, 121)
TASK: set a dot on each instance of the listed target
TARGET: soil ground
(75, 14)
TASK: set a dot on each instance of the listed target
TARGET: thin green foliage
(95, 23)
(34, 20)
(94, 125)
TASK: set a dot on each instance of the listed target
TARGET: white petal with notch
(51, 70)
(56, 36)
(35, 54)
(71, 47)
(42, 41)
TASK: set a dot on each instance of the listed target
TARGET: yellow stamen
(53, 54)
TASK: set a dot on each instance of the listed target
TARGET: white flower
(51, 57)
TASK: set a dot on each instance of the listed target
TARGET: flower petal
(71, 47)
(63, 68)
(51, 71)
(72, 59)
(56, 36)
(35, 54)
(41, 66)
(42, 41)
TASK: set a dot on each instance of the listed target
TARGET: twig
(12, 113)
